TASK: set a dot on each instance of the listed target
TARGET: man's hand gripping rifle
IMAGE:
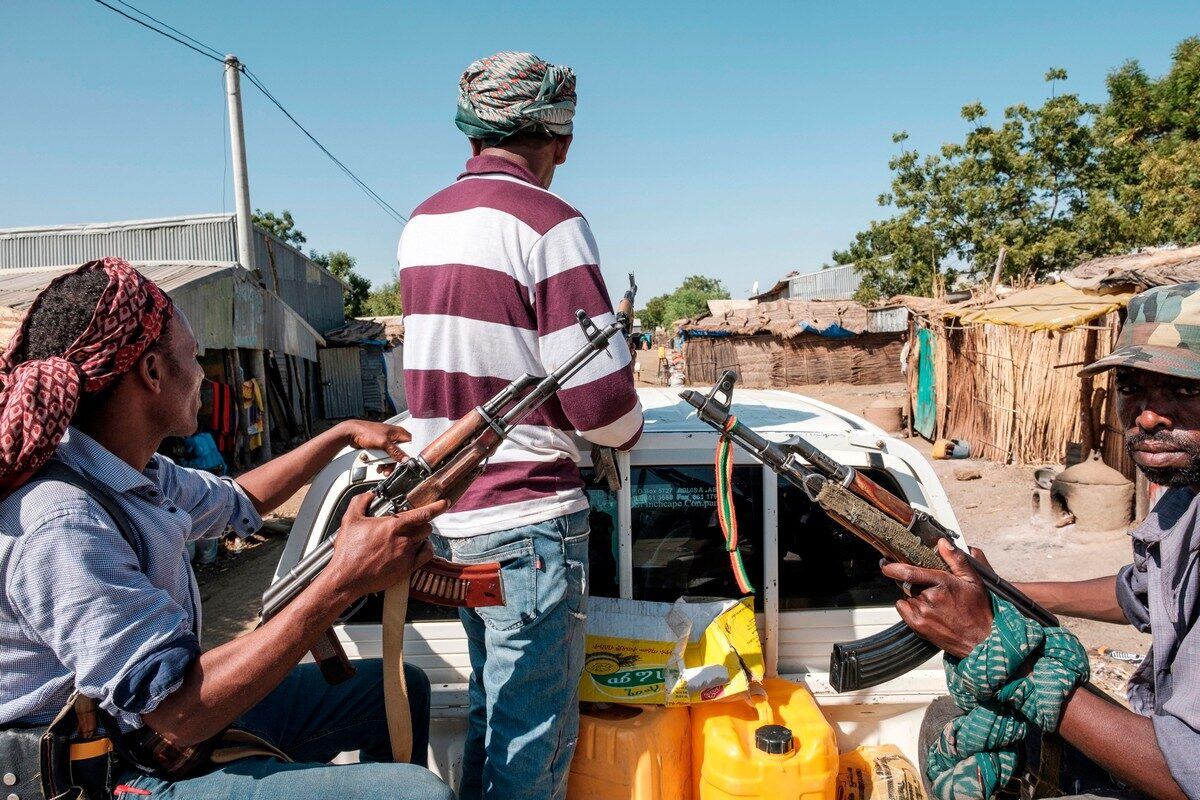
(870, 512)
(444, 470)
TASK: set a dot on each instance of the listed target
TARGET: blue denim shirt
(76, 609)
(1160, 594)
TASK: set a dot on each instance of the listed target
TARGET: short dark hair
(533, 136)
(63, 313)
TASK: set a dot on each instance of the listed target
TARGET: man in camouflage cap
(1151, 748)
(1161, 333)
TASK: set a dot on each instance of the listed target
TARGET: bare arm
(954, 612)
(372, 554)
(1122, 742)
(1091, 599)
(277, 480)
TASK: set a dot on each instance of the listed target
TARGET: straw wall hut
(1004, 376)
(792, 342)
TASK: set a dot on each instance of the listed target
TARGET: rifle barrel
(470, 428)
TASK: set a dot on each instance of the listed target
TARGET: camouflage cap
(1161, 333)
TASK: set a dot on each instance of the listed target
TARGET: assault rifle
(873, 514)
(444, 470)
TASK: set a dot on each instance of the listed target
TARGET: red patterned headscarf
(38, 399)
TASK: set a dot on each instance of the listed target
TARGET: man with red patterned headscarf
(103, 369)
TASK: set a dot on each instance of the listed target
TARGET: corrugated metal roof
(224, 306)
(206, 237)
(20, 286)
(835, 283)
(314, 292)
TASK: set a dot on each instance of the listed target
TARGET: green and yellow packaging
(689, 651)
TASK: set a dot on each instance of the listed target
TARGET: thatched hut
(792, 342)
(1004, 375)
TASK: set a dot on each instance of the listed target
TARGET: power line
(215, 55)
(160, 31)
(379, 201)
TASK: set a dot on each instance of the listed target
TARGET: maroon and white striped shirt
(492, 271)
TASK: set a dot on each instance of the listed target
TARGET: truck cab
(657, 538)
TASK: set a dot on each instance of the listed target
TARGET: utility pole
(245, 232)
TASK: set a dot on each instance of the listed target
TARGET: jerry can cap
(774, 739)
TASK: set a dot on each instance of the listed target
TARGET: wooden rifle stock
(443, 470)
(881, 498)
(452, 440)
(454, 476)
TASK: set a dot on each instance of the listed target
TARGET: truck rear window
(679, 549)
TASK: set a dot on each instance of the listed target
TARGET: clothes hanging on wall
(252, 401)
(223, 421)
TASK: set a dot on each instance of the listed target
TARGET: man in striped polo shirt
(492, 270)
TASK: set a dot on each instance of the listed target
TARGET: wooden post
(999, 266)
(302, 384)
(243, 437)
(1087, 421)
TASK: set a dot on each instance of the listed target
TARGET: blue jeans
(312, 722)
(526, 659)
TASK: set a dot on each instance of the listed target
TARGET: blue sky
(736, 140)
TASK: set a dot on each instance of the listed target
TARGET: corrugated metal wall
(370, 358)
(303, 285)
(341, 382)
(206, 305)
(887, 320)
(202, 238)
(394, 364)
(248, 315)
(836, 283)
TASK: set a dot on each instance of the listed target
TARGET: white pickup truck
(657, 539)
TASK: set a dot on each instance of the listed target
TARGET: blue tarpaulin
(834, 331)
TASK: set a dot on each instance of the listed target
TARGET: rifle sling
(395, 691)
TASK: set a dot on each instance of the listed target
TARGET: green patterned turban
(507, 93)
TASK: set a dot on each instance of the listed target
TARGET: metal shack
(367, 350)
(253, 324)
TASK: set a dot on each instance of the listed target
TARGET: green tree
(1150, 136)
(1016, 185)
(282, 226)
(703, 285)
(1051, 185)
(342, 264)
(384, 301)
(652, 316)
(690, 300)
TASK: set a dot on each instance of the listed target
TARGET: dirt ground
(994, 512)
